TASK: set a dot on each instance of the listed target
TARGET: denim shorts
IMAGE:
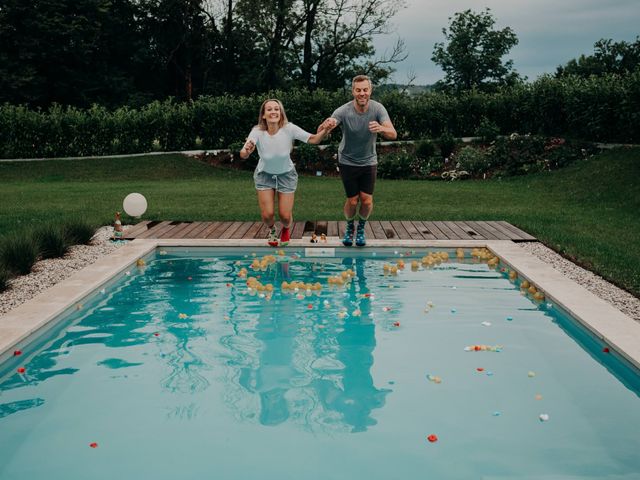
(282, 182)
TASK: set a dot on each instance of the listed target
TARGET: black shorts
(358, 179)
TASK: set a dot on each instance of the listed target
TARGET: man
(362, 120)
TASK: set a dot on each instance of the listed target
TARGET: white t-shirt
(275, 150)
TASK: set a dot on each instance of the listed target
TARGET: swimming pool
(176, 369)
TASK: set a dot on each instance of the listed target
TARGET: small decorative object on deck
(323, 238)
(117, 228)
(134, 204)
(314, 238)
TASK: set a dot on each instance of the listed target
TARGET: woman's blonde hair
(262, 123)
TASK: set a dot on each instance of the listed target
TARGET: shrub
(52, 241)
(488, 131)
(4, 279)
(430, 167)
(78, 231)
(399, 165)
(306, 157)
(425, 149)
(473, 160)
(447, 144)
(18, 253)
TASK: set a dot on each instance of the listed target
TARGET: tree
(608, 57)
(471, 56)
(67, 51)
(338, 41)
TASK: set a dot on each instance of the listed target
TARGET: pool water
(177, 370)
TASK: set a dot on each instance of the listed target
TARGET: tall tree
(67, 51)
(178, 32)
(338, 41)
(471, 55)
(608, 57)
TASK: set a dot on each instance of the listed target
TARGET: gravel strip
(621, 299)
(47, 273)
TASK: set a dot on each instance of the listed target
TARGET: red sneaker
(285, 236)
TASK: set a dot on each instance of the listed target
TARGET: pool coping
(616, 329)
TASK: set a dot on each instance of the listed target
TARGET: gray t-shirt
(358, 145)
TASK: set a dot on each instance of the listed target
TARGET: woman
(274, 136)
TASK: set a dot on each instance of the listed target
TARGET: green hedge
(603, 109)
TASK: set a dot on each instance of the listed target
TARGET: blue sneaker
(347, 240)
(361, 241)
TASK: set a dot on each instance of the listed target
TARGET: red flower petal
(93, 445)
(21, 369)
(480, 369)
(17, 352)
(432, 438)
(605, 349)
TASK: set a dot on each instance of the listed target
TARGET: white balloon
(134, 204)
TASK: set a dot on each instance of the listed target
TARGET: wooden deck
(379, 230)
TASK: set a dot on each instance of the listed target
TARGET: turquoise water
(178, 371)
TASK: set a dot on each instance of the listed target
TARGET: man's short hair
(361, 78)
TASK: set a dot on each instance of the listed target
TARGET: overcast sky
(550, 32)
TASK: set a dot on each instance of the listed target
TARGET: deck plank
(263, 232)
(220, 229)
(368, 230)
(175, 232)
(472, 232)
(152, 232)
(435, 231)
(411, 229)
(211, 226)
(444, 228)
(297, 230)
(389, 231)
(490, 228)
(506, 233)
(424, 231)
(192, 226)
(136, 229)
(332, 229)
(378, 230)
(252, 230)
(461, 234)
(488, 235)
(199, 227)
(228, 233)
(242, 230)
(400, 230)
(521, 233)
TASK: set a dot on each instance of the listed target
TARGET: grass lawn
(589, 212)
